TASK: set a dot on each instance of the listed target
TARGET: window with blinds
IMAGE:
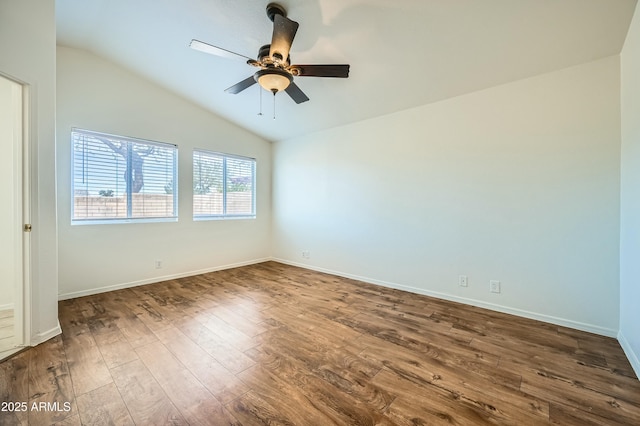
(117, 178)
(223, 186)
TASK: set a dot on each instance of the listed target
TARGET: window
(122, 179)
(223, 186)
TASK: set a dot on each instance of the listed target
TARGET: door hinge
(27, 227)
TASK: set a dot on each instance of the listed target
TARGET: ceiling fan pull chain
(260, 90)
(274, 105)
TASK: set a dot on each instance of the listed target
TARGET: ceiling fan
(276, 72)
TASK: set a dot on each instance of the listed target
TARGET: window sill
(206, 218)
(122, 221)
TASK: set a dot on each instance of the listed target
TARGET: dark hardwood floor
(275, 344)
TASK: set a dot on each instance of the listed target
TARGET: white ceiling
(403, 53)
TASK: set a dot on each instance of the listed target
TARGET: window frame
(129, 218)
(224, 157)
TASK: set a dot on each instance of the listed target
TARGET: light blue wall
(630, 196)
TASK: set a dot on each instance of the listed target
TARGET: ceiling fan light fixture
(273, 80)
(276, 73)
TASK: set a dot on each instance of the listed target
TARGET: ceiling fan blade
(296, 94)
(214, 50)
(284, 30)
(239, 87)
(338, 71)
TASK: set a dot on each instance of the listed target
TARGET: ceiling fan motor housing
(265, 58)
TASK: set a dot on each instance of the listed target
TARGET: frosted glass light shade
(273, 80)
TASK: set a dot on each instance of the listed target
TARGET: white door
(11, 216)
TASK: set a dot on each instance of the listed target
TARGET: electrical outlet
(462, 281)
(494, 286)
(158, 264)
(306, 254)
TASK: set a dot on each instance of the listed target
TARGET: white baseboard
(36, 339)
(4, 354)
(43, 336)
(631, 355)
(6, 307)
(591, 328)
(89, 292)
(494, 307)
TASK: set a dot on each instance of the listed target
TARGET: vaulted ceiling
(403, 53)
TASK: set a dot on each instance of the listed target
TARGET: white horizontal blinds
(99, 187)
(117, 178)
(208, 184)
(152, 180)
(223, 185)
(239, 186)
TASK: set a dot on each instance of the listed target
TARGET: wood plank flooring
(275, 344)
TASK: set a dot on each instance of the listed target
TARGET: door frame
(21, 199)
(25, 294)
